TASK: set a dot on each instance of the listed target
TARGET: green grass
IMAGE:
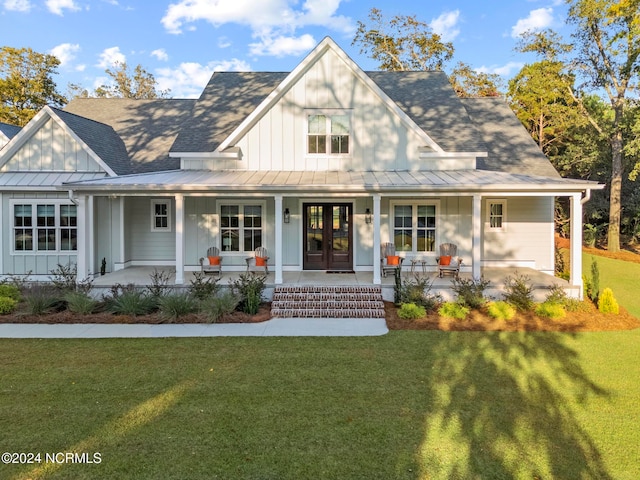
(408, 405)
(622, 277)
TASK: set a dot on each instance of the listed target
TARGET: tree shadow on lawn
(503, 405)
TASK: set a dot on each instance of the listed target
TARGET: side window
(160, 215)
(497, 214)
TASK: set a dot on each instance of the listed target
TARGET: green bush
(176, 305)
(575, 305)
(7, 305)
(10, 290)
(159, 283)
(454, 310)
(249, 288)
(78, 302)
(551, 310)
(217, 307)
(411, 311)
(470, 292)
(519, 292)
(203, 286)
(418, 291)
(594, 294)
(133, 302)
(607, 302)
(501, 310)
(42, 299)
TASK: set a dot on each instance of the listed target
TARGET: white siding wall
(107, 232)
(145, 245)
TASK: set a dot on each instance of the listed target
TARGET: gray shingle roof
(226, 101)
(147, 128)
(9, 131)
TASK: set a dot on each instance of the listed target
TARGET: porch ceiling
(336, 181)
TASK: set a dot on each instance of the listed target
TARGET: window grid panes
(68, 227)
(23, 231)
(414, 228)
(46, 221)
(230, 224)
(53, 226)
(241, 227)
(161, 216)
(496, 215)
(328, 131)
(402, 232)
(252, 227)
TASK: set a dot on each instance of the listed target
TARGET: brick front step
(327, 302)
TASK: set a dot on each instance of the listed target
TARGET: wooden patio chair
(390, 262)
(448, 261)
(212, 263)
(259, 261)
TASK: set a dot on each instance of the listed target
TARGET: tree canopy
(26, 84)
(138, 84)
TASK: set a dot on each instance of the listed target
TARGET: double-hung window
(46, 226)
(160, 215)
(414, 226)
(497, 215)
(328, 133)
(241, 227)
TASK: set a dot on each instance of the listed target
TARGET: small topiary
(551, 310)
(454, 310)
(501, 310)
(411, 311)
(7, 305)
(607, 303)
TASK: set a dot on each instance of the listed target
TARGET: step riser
(327, 302)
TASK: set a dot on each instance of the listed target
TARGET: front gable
(48, 144)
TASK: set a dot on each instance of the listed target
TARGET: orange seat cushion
(214, 260)
(446, 260)
(261, 261)
(393, 260)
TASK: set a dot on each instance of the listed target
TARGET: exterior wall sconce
(367, 216)
(286, 216)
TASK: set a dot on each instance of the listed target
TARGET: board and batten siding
(107, 232)
(50, 148)
(143, 244)
(378, 138)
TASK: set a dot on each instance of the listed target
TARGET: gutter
(587, 197)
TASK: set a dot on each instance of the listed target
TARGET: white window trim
(160, 201)
(493, 201)
(328, 113)
(414, 229)
(34, 202)
(241, 204)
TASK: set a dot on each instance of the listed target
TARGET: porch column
(278, 238)
(476, 232)
(82, 255)
(576, 243)
(91, 244)
(377, 280)
(179, 198)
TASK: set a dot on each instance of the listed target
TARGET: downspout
(71, 199)
(587, 196)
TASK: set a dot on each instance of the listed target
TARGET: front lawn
(621, 276)
(409, 405)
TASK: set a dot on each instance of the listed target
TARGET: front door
(328, 230)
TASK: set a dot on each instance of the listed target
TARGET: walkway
(276, 327)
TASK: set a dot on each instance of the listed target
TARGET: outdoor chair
(448, 261)
(212, 263)
(259, 261)
(390, 262)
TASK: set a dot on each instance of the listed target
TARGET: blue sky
(181, 42)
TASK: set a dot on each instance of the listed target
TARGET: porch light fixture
(286, 215)
(367, 216)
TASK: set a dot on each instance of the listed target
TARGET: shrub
(560, 263)
(7, 305)
(203, 286)
(78, 302)
(575, 305)
(607, 303)
(454, 310)
(501, 310)
(176, 305)
(595, 281)
(557, 295)
(418, 291)
(132, 302)
(10, 291)
(63, 277)
(519, 292)
(249, 287)
(551, 310)
(217, 307)
(159, 283)
(470, 292)
(411, 311)
(42, 299)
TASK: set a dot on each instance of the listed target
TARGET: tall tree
(26, 84)
(469, 83)
(138, 84)
(608, 41)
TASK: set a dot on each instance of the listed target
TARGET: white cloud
(57, 6)
(189, 79)
(271, 21)
(446, 25)
(111, 56)
(17, 5)
(537, 20)
(65, 52)
(506, 70)
(160, 54)
(282, 46)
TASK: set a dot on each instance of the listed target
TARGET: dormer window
(328, 133)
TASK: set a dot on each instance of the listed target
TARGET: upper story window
(328, 133)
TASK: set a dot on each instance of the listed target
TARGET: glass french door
(328, 233)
